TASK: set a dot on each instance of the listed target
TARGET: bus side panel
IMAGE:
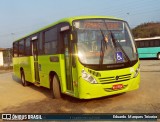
(27, 64)
(148, 52)
(16, 68)
(46, 66)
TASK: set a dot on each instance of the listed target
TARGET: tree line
(145, 30)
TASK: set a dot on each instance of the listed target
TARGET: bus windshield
(102, 41)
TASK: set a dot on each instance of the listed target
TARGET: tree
(144, 30)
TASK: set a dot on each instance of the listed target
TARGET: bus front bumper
(88, 90)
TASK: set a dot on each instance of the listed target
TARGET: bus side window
(141, 44)
(51, 41)
(28, 47)
(40, 44)
(151, 43)
(146, 43)
(157, 43)
(15, 49)
(137, 43)
(21, 48)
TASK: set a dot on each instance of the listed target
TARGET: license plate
(117, 86)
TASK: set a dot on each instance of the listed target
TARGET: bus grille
(114, 79)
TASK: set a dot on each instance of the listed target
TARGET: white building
(1, 57)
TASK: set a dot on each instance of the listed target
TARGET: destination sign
(111, 25)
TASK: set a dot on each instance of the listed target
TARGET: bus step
(37, 84)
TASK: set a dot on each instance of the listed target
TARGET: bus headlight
(136, 72)
(88, 77)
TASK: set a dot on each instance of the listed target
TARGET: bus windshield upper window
(89, 42)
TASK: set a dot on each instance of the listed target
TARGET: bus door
(68, 60)
(35, 56)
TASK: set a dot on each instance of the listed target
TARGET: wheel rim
(158, 56)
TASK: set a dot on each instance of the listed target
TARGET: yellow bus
(84, 57)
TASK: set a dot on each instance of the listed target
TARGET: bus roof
(69, 20)
(151, 38)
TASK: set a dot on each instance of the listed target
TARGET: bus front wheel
(23, 81)
(158, 56)
(56, 93)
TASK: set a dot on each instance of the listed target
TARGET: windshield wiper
(119, 45)
(115, 44)
(102, 49)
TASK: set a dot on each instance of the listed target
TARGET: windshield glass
(103, 41)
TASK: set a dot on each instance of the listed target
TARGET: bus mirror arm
(74, 39)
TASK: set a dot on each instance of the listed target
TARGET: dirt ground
(14, 98)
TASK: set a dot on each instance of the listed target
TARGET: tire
(55, 88)
(23, 81)
(158, 56)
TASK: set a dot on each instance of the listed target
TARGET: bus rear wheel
(158, 56)
(55, 88)
(23, 81)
